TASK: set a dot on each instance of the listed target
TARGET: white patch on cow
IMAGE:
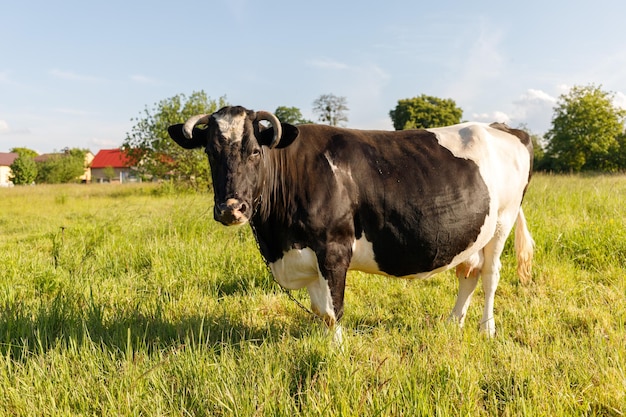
(330, 162)
(321, 301)
(335, 168)
(296, 269)
(231, 127)
(363, 257)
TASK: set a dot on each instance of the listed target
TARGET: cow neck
(280, 183)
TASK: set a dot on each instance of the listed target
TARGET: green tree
(109, 173)
(62, 168)
(153, 152)
(291, 115)
(585, 129)
(24, 152)
(23, 170)
(424, 112)
(618, 155)
(331, 109)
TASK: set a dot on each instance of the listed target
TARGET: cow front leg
(323, 306)
(321, 301)
(327, 293)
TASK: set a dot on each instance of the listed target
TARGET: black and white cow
(322, 200)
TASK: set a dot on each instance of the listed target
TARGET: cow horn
(192, 122)
(278, 130)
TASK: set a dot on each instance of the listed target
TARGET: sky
(78, 74)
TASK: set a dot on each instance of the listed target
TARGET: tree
(109, 173)
(618, 156)
(62, 168)
(150, 148)
(331, 110)
(290, 115)
(424, 112)
(23, 170)
(24, 152)
(585, 131)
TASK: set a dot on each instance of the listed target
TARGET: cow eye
(256, 153)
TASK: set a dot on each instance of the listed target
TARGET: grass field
(130, 300)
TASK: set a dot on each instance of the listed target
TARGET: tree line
(587, 134)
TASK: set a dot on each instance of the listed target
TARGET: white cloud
(142, 79)
(4, 126)
(534, 108)
(536, 96)
(72, 76)
(495, 116)
(326, 63)
(620, 100)
(73, 112)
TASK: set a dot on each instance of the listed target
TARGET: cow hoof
(337, 336)
(488, 328)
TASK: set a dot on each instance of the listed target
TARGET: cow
(322, 200)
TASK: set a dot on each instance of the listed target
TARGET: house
(6, 160)
(112, 165)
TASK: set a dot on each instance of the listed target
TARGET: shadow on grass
(64, 320)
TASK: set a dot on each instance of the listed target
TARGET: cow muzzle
(231, 213)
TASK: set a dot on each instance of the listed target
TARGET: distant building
(6, 160)
(112, 165)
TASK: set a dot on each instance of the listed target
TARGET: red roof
(7, 158)
(113, 158)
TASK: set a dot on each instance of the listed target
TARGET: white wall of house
(122, 175)
(5, 173)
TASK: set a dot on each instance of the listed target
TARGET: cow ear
(198, 139)
(290, 133)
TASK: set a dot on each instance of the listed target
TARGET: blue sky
(74, 73)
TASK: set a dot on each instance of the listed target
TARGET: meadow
(129, 300)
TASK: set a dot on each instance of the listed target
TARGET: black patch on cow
(419, 205)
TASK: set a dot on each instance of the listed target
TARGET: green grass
(131, 300)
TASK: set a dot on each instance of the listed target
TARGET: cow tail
(523, 248)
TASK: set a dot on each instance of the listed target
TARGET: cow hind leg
(491, 276)
(467, 274)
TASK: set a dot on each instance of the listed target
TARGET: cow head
(236, 144)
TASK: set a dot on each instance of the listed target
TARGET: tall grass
(131, 300)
